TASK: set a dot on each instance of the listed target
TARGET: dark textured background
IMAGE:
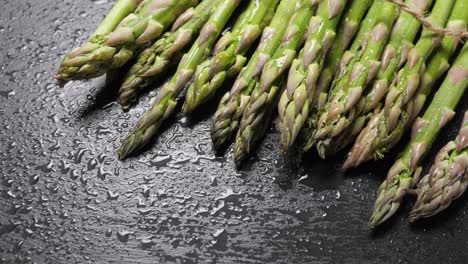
(65, 198)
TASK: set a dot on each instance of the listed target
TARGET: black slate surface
(65, 198)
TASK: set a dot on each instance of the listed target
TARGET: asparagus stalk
(155, 59)
(336, 131)
(347, 29)
(386, 127)
(113, 50)
(260, 106)
(230, 53)
(447, 180)
(165, 103)
(295, 101)
(400, 178)
(119, 11)
(232, 105)
(341, 108)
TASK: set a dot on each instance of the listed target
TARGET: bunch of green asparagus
(338, 72)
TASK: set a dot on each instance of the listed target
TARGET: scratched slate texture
(65, 198)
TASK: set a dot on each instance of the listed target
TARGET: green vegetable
(165, 102)
(400, 177)
(226, 119)
(230, 54)
(155, 59)
(113, 50)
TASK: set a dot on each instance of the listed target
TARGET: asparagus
(387, 126)
(447, 180)
(295, 101)
(400, 177)
(230, 53)
(347, 29)
(155, 59)
(232, 105)
(336, 130)
(260, 106)
(119, 11)
(113, 50)
(165, 103)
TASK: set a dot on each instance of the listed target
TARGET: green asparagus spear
(336, 131)
(232, 105)
(386, 127)
(259, 108)
(295, 101)
(347, 29)
(230, 54)
(119, 11)
(113, 50)
(400, 177)
(155, 59)
(165, 102)
(447, 180)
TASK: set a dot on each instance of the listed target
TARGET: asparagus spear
(155, 59)
(347, 29)
(259, 108)
(447, 180)
(386, 127)
(230, 53)
(165, 102)
(113, 50)
(232, 105)
(119, 11)
(400, 177)
(295, 101)
(335, 131)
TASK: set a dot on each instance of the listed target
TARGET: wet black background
(65, 198)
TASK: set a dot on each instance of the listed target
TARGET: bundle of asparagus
(327, 65)
(258, 110)
(295, 102)
(361, 66)
(226, 119)
(386, 128)
(336, 130)
(348, 27)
